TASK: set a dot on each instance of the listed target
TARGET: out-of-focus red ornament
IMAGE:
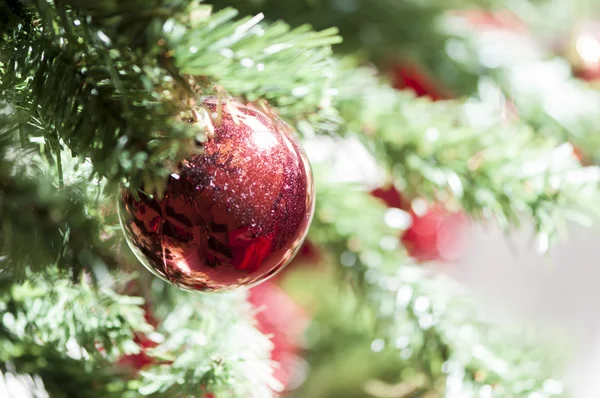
(285, 322)
(140, 360)
(497, 20)
(581, 156)
(410, 76)
(435, 235)
(583, 50)
(390, 196)
(231, 216)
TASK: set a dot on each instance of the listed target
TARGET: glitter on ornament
(235, 214)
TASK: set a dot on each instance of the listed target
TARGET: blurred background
(537, 61)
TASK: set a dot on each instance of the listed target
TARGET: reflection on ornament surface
(232, 216)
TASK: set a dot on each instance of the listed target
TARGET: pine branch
(207, 344)
(105, 103)
(40, 224)
(242, 57)
(380, 31)
(40, 227)
(214, 46)
(210, 345)
(41, 369)
(466, 153)
(62, 334)
(408, 304)
(541, 85)
(78, 319)
(120, 99)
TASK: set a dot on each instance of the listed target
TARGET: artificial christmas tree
(100, 110)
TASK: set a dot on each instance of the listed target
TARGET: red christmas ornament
(583, 51)
(409, 76)
(138, 361)
(285, 322)
(499, 20)
(582, 156)
(436, 235)
(232, 216)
